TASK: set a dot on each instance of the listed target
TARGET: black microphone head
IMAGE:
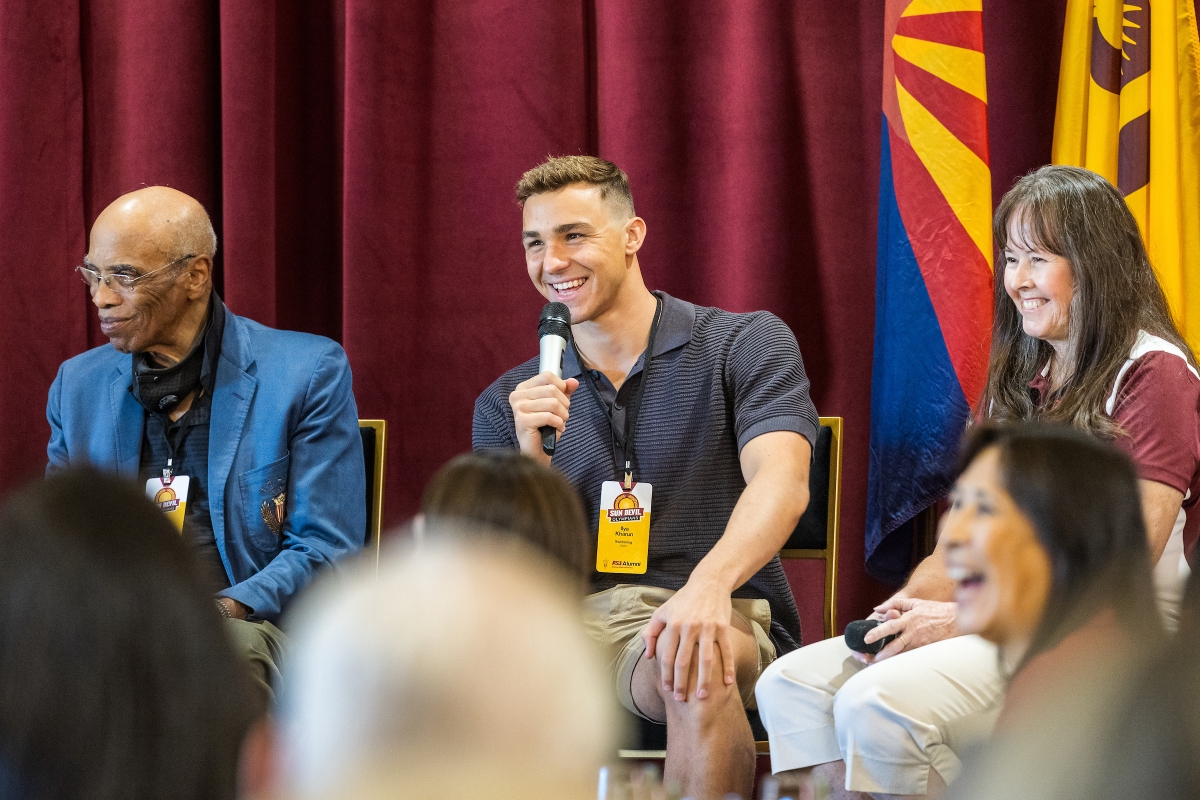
(555, 321)
(855, 631)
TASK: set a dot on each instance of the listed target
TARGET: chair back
(816, 534)
(374, 444)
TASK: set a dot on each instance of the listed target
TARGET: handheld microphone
(856, 631)
(554, 331)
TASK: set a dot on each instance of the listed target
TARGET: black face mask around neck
(161, 389)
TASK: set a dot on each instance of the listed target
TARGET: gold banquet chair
(374, 444)
(816, 535)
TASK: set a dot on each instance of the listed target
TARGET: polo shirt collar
(674, 331)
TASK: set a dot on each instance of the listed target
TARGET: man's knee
(720, 697)
(659, 704)
(642, 676)
(646, 689)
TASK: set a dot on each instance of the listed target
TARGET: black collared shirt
(717, 380)
(190, 457)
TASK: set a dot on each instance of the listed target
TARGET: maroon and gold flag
(1129, 109)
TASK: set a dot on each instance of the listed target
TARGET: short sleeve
(492, 426)
(770, 388)
(1158, 408)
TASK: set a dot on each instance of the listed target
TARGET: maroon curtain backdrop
(358, 158)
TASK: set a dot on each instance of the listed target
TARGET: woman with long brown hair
(1082, 335)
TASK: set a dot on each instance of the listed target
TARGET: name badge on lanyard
(623, 544)
(623, 538)
(170, 493)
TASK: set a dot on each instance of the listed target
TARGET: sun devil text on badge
(625, 509)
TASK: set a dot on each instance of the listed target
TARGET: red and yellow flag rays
(935, 101)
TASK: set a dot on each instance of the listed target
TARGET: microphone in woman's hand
(857, 631)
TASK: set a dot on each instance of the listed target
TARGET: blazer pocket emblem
(273, 512)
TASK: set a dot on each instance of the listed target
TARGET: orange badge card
(623, 543)
(171, 498)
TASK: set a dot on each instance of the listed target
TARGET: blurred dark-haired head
(1054, 519)
(116, 676)
(505, 491)
(1108, 734)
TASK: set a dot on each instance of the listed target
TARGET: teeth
(961, 574)
(1031, 304)
(562, 287)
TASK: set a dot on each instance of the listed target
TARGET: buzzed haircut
(558, 173)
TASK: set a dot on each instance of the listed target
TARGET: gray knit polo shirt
(717, 380)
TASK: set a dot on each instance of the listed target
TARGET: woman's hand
(917, 623)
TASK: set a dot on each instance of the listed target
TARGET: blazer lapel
(232, 394)
(128, 418)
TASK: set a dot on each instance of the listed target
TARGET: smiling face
(1040, 284)
(1000, 568)
(579, 249)
(146, 317)
(135, 235)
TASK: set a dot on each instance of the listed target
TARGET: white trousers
(890, 722)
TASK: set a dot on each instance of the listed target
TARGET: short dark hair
(558, 173)
(505, 491)
(117, 679)
(1081, 496)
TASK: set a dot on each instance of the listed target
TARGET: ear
(635, 235)
(198, 278)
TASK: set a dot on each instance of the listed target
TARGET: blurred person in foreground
(1081, 336)
(117, 679)
(1153, 745)
(1046, 544)
(461, 670)
(246, 436)
(687, 431)
(504, 492)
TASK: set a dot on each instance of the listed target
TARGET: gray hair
(461, 661)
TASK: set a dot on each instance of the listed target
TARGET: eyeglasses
(116, 282)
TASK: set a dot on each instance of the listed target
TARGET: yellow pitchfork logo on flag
(1129, 109)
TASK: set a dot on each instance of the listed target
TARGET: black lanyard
(184, 425)
(633, 408)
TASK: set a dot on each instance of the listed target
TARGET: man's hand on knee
(692, 629)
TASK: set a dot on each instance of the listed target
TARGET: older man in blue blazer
(247, 437)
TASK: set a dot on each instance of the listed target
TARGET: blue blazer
(283, 418)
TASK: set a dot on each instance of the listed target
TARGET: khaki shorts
(616, 616)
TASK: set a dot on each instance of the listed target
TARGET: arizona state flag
(1129, 109)
(933, 286)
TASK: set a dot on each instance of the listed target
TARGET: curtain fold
(359, 157)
